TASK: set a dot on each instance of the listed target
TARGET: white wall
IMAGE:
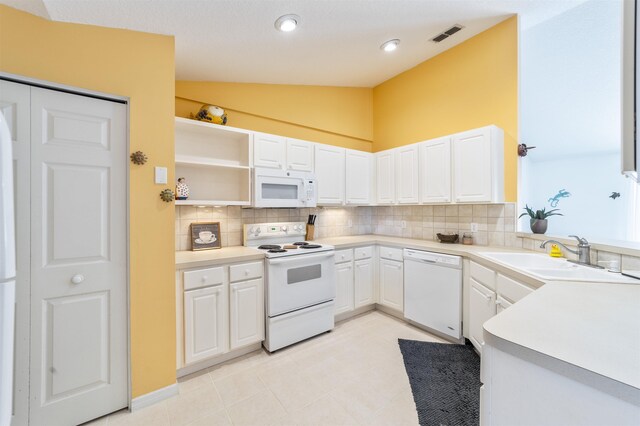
(570, 110)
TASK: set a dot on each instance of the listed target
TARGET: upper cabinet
(359, 177)
(269, 151)
(478, 165)
(278, 152)
(407, 174)
(207, 154)
(330, 172)
(435, 171)
(385, 177)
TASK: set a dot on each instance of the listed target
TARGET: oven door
(274, 191)
(295, 282)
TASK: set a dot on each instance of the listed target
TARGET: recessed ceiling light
(287, 23)
(391, 45)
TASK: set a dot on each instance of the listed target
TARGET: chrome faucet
(583, 252)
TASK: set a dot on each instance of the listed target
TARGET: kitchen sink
(556, 269)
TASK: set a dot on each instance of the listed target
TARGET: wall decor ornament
(563, 193)
(182, 190)
(205, 236)
(139, 158)
(614, 195)
(167, 195)
(523, 149)
(212, 114)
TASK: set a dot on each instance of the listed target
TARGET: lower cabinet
(482, 306)
(222, 310)
(391, 284)
(344, 287)
(246, 313)
(205, 323)
(364, 284)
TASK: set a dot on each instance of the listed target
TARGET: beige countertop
(194, 259)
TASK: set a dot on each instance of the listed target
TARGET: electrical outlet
(349, 223)
(474, 227)
(403, 224)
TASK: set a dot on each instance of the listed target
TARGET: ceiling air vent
(445, 34)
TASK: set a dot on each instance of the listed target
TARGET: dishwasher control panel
(436, 258)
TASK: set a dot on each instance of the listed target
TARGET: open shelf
(215, 162)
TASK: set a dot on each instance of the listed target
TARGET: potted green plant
(538, 220)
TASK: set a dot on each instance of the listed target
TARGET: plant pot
(538, 226)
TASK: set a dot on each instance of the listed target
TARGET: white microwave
(285, 189)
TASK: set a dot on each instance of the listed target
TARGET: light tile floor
(354, 375)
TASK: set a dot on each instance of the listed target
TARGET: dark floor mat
(445, 381)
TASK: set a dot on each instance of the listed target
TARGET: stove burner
(301, 243)
(269, 247)
(310, 246)
(278, 250)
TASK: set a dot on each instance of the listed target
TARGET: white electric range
(300, 282)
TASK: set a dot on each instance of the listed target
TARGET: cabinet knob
(204, 278)
(343, 256)
(246, 272)
(77, 278)
(498, 302)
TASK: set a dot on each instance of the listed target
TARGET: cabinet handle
(77, 278)
(499, 303)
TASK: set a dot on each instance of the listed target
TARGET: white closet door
(15, 106)
(78, 258)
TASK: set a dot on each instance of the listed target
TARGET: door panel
(435, 171)
(391, 284)
(247, 313)
(344, 288)
(385, 177)
(364, 284)
(204, 323)
(359, 175)
(407, 175)
(481, 307)
(472, 165)
(15, 105)
(78, 258)
(269, 151)
(299, 155)
(330, 174)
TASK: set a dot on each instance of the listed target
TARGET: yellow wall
(471, 85)
(140, 66)
(333, 115)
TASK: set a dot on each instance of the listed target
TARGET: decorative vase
(182, 190)
(538, 226)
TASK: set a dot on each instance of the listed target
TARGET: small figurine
(212, 114)
(614, 195)
(553, 202)
(182, 190)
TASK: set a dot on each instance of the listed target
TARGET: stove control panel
(266, 231)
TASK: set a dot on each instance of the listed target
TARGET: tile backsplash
(496, 222)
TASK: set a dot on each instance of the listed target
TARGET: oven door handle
(306, 258)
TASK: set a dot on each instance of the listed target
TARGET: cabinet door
(385, 177)
(246, 313)
(359, 175)
(482, 306)
(269, 151)
(344, 290)
(407, 174)
(299, 155)
(502, 304)
(435, 171)
(329, 170)
(205, 323)
(472, 165)
(364, 289)
(391, 284)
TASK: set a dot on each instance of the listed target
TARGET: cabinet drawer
(391, 253)
(483, 275)
(245, 271)
(512, 290)
(203, 278)
(363, 252)
(344, 255)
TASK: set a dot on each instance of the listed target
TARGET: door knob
(77, 278)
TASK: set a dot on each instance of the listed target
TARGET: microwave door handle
(306, 257)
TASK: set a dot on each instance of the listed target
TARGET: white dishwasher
(433, 291)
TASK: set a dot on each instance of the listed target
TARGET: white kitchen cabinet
(478, 165)
(246, 313)
(502, 304)
(391, 284)
(330, 174)
(358, 177)
(435, 171)
(385, 177)
(407, 176)
(269, 151)
(364, 284)
(482, 306)
(299, 155)
(205, 323)
(344, 287)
